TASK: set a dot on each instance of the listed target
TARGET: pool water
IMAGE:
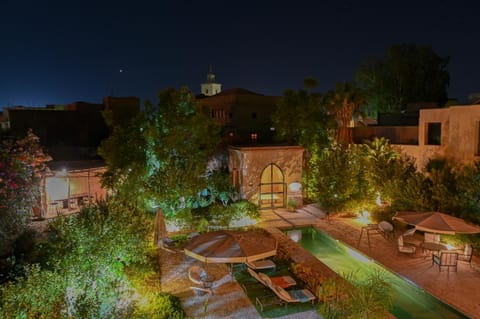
(409, 300)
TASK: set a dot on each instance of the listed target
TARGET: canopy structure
(226, 246)
(436, 222)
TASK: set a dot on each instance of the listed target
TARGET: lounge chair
(445, 259)
(466, 254)
(261, 264)
(289, 296)
(405, 248)
(281, 281)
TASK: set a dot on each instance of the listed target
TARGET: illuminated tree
(22, 162)
(408, 73)
(162, 156)
(340, 183)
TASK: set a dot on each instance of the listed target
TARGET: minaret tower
(211, 87)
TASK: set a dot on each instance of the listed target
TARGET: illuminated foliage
(369, 298)
(85, 275)
(340, 183)
(162, 155)
(22, 162)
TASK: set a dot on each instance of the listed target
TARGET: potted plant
(292, 205)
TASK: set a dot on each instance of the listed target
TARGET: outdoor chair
(281, 281)
(445, 259)
(405, 248)
(466, 254)
(198, 276)
(431, 238)
(385, 229)
(261, 264)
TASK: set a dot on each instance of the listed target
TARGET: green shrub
(159, 306)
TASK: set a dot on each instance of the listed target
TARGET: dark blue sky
(57, 52)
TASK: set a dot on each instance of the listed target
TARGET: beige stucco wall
(459, 135)
(459, 132)
(251, 161)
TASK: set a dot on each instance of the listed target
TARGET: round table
(433, 246)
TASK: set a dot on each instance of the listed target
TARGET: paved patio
(459, 289)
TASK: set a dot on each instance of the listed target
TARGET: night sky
(58, 52)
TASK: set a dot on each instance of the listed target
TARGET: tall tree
(161, 157)
(408, 73)
(302, 117)
(345, 102)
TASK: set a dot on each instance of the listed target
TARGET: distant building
(73, 131)
(4, 121)
(210, 87)
(245, 116)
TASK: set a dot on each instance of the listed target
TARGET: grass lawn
(272, 307)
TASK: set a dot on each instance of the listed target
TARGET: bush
(159, 306)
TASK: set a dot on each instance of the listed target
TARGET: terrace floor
(459, 289)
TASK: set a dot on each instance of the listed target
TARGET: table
(432, 247)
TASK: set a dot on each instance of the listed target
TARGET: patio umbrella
(226, 246)
(436, 222)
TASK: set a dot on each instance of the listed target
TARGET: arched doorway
(272, 188)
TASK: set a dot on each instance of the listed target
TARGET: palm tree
(345, 102)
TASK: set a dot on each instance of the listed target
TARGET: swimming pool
(409, 300)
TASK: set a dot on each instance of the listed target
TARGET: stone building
(270, 176)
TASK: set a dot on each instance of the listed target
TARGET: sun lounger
(281, 281)
(261, 264)
(291, 296)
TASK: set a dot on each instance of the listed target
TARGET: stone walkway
(459, 289)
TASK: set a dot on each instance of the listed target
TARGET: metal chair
(445, 259)
(466, 254)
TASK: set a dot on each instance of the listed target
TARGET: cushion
(283, 281)
(262, 264)
(303, 295)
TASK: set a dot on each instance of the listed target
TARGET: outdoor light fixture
(295, 186)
